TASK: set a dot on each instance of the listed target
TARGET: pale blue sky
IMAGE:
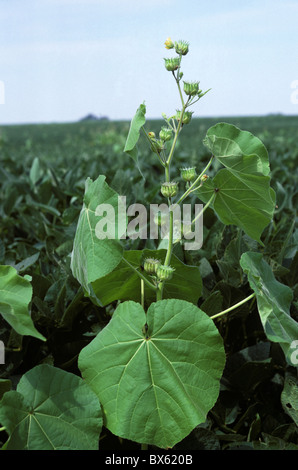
(63, 59)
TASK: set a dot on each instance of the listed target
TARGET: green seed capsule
(165, 273)
(186, 116)
(188, 174)
(182, 47)
(169, 189)
(165, 134)
(191, 89)
(172, 64)
(151, 265)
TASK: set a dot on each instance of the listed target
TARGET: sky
(63, 59)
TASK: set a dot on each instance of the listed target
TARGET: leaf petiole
(220, 314)
(142, 293)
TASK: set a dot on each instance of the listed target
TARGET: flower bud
(165, 134)
(151, 135)
(172, 64)
(204, 178)
(169, 43)
(169, 189)
(181, 47)
(164, 273)
(151, 265)
(191, 89)
(188, 174)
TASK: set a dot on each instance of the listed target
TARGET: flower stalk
(175, 124)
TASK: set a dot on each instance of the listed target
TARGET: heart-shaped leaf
(155, 384)
(244, 200)
(227, 143)
(92, 256)
(15, 296)
(51, 410)
(274, 300)
(124, 283)
(241, 191)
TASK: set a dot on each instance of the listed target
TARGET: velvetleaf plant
(156, 367)
(153, 373)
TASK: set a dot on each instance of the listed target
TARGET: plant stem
(217, 315)
(148, 283)
(2, 429)
(167, 172)
(171, 235)
(159, 291)
(142, 293)
(167, 177)
(168, 162)
(180, 92)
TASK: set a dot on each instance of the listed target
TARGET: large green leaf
(155, 387)
(244, 200)
(273, 299)
(93, 257)
(15, 296)
(227, 143)
(136, 124)
(51, 410)
(124, 283)
(243, 196)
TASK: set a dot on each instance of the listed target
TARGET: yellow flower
(169, 43)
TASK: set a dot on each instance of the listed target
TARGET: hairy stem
(171, 235)
(159, 291)
(142, 293)
(167, 177)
